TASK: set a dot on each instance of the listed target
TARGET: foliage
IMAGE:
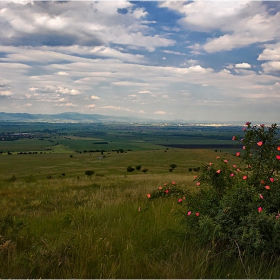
(138, 167)
(238, 207)
(89, 172)
(130, 169)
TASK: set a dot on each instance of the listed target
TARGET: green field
(57, 222)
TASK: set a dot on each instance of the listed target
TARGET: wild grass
(95, 227)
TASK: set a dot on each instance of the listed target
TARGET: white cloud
(242, 65)
(173, 52)
(271, 66)
(93, 97)
(91, 106)
(159, 113)
(5, 93)
(242, 22)
(144, 92)
(115, 108)
(272, 52)
(67, 105)
(67, 91)
(61, 73)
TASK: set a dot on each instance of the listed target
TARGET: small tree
(173, 165)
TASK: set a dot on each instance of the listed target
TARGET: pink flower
(244, 147)
(197, 214)
(195, 176)
(260, 143)
(238, 170)
(261, 197)
(233, 138)
(231, 175)
(262, 125)
(180, 200)
(173, 183)
(184, 198)
(166, 191)
(263, 182)
(217, 157)
(248, 123)
(278, 157)
(242, 139)
(226, 161)
(218, 171)
(237, 154)
(271, 180)
(165, 184)
(249, 166)
(244, 129)
(198, 183)
(260, 209)
(160, 187)
(149, 195)
(210, 163)
(245, 177)
(189, 213)
(267, 187)
(278, 148)
(234, 165)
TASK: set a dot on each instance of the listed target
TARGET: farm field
(58, 222)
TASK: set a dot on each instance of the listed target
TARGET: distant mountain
(68, 117)
(65, 117)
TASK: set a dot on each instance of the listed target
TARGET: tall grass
(103, 228)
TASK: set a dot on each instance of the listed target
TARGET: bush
(89, 172)
(239, 210)
(138, 167)
(130, 169)
(173, 165)
(145, 170)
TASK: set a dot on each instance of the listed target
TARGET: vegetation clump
(233, 208)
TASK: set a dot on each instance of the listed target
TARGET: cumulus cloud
(271, 52)
(91, 106)
(68, 91)
(144, 92)
(51, 23)
(271, 66)
(61, 73)
(242, 65)
(159, 113)
(93, 97)
(5, 93)
(242, 23)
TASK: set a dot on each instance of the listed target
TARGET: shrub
(145, 170)
(173, 165)
(138, 167)
(89, 172)
(239, 210)
(130, 169)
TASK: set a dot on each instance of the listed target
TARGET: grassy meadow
(57, 222)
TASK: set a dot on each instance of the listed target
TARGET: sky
(186, 60)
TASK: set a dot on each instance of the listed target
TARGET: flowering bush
(238, 207)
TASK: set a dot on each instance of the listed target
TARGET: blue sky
(189, 60)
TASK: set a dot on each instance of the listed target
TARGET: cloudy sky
(201, 60)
